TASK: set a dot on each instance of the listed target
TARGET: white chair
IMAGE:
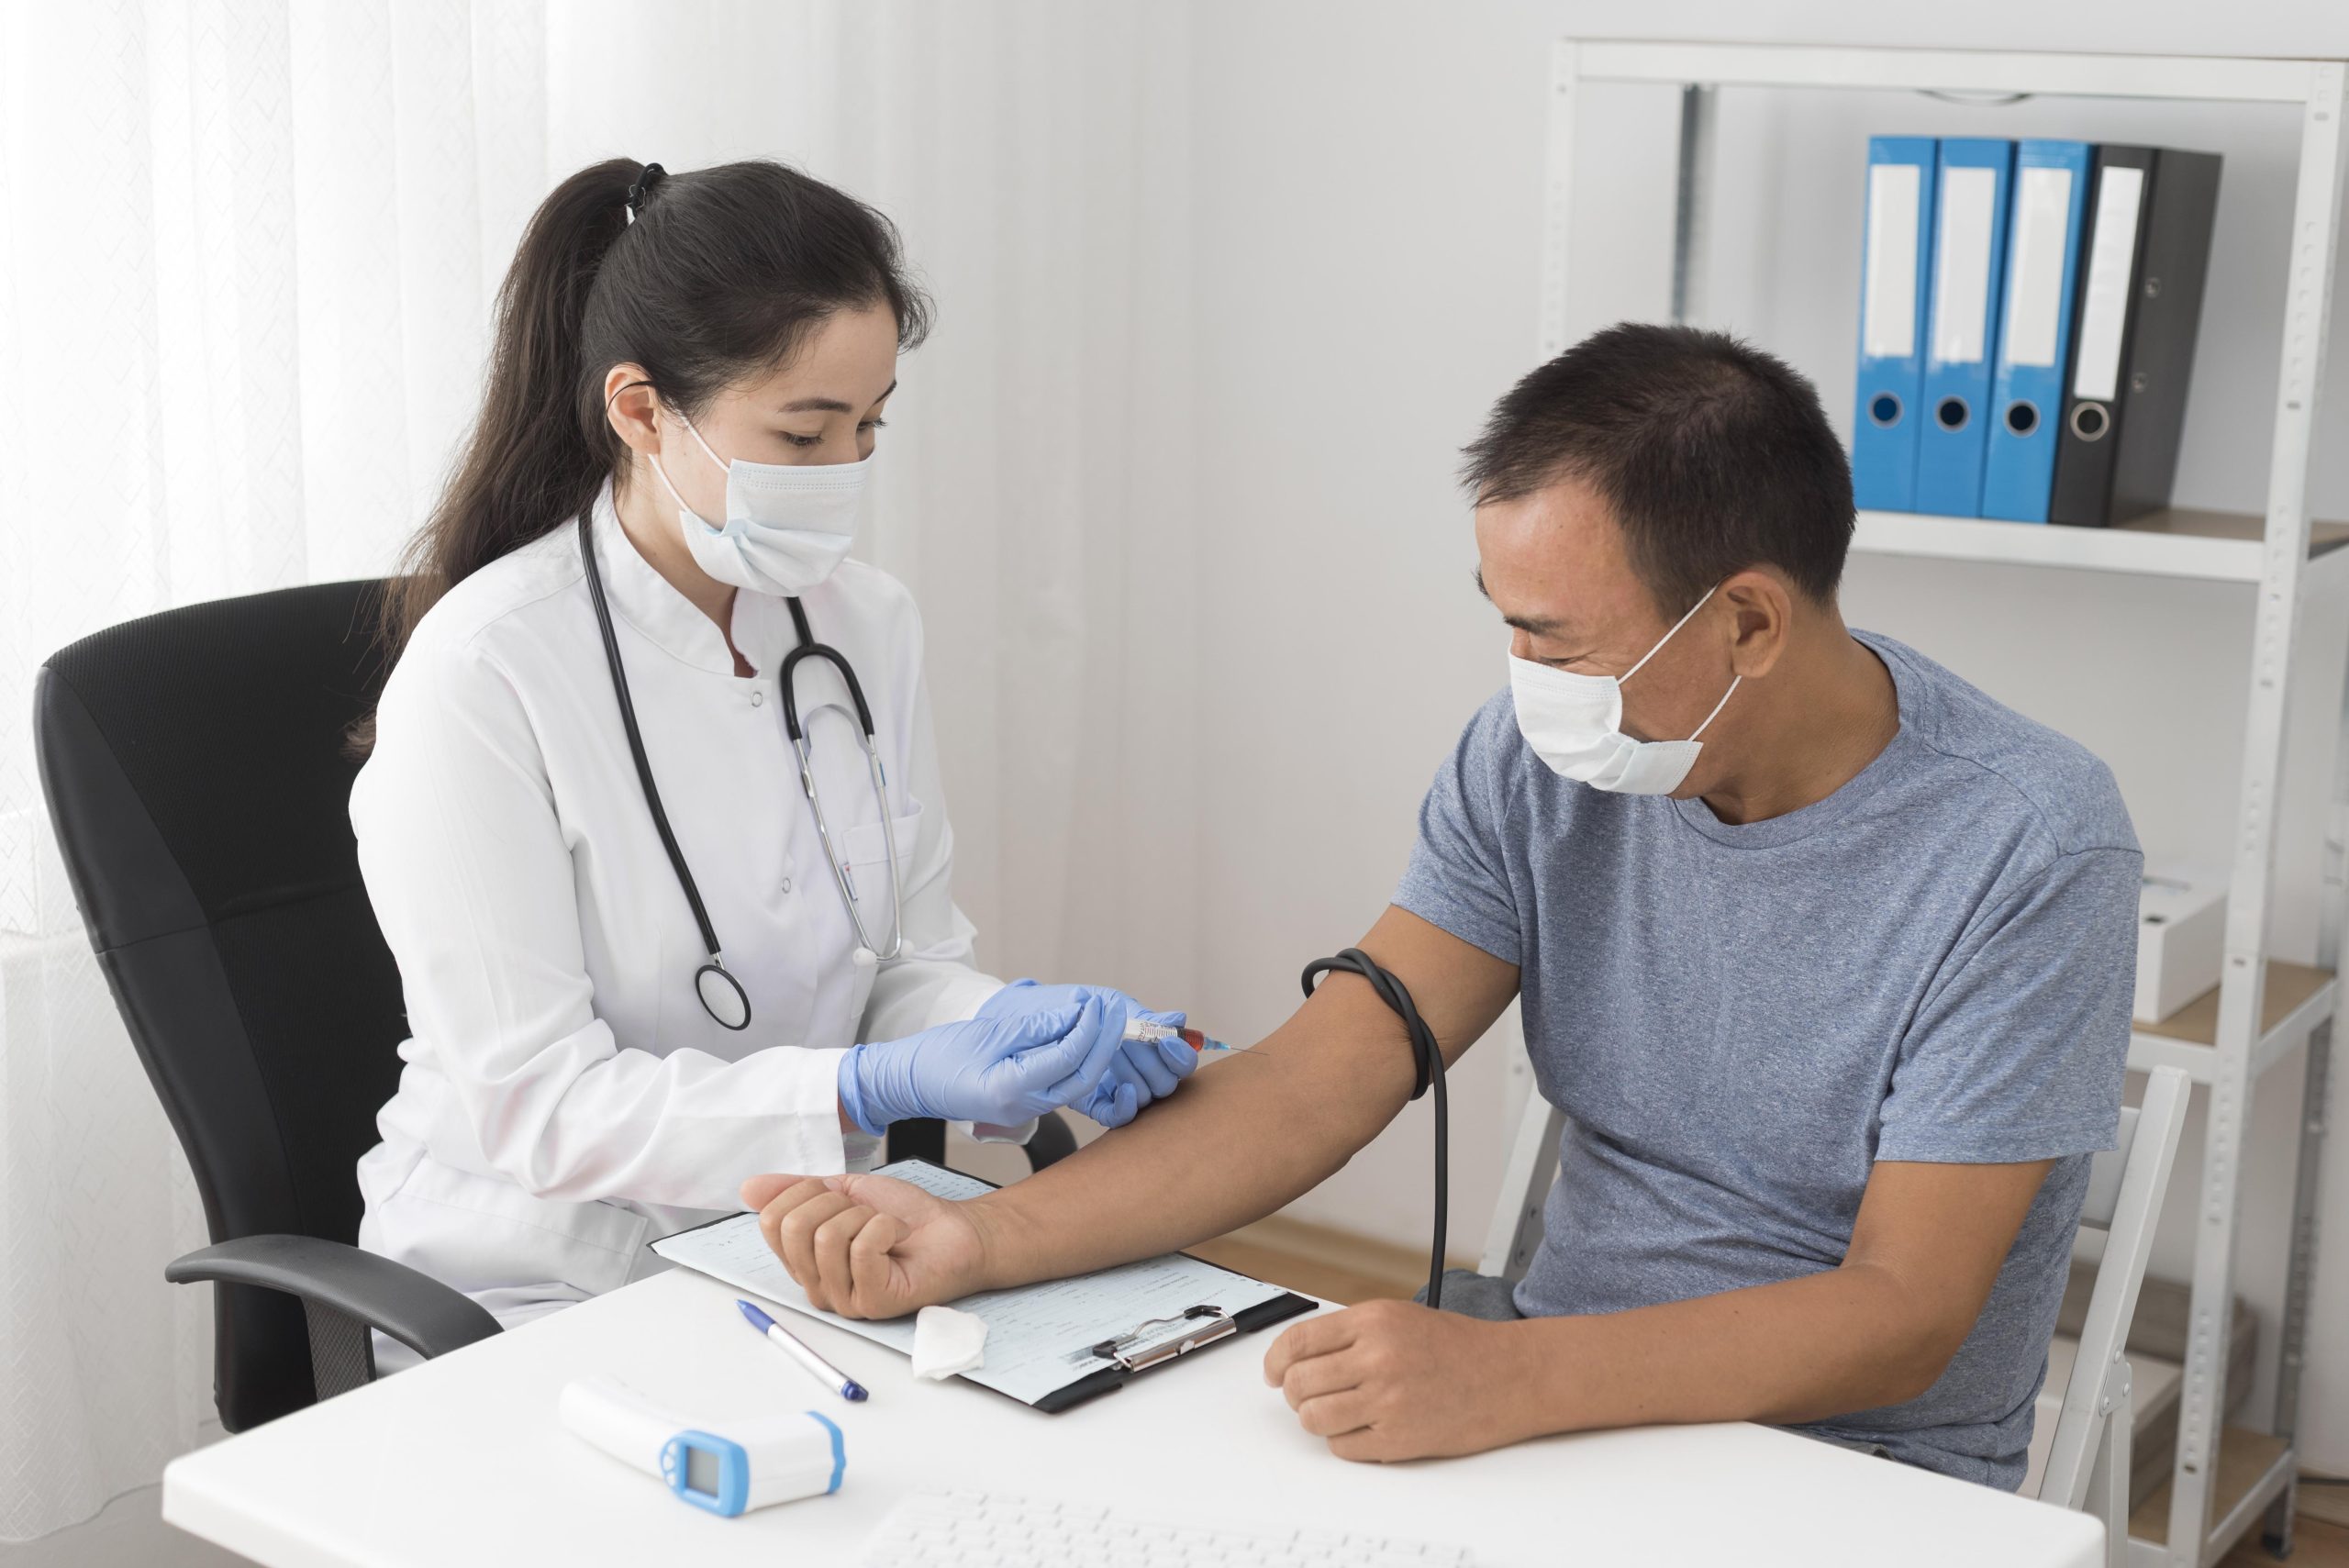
(2088, 1462)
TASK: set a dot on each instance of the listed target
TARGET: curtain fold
(248, 253)
(245, 269)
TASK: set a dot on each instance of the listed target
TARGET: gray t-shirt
(1933, 963)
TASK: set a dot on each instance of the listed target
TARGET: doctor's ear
(632, 408)
(1761, 611)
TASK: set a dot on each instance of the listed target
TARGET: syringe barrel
(1141, 1030)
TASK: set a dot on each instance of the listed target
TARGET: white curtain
(247, 248)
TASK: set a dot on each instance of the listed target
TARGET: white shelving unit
(2262, 1008)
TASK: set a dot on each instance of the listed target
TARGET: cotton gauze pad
(947, 1341)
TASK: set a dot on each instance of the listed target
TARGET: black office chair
(195, 767)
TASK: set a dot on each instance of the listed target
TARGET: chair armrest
(1053, 1139)
(418, 1310)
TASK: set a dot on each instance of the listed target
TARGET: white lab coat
(565, 1097)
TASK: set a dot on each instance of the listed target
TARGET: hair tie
(647, 177)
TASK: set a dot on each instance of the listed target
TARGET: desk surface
(462, 1462)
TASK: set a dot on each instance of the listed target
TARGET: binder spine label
(2104, 307)
(2035, 297)
(1961, 270)
(1894, 195)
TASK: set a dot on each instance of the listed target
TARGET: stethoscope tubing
(715, 969)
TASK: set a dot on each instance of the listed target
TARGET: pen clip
(1162, 1338)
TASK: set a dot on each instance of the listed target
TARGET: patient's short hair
(1713, 455)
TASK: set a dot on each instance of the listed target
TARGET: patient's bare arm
(1242, 1138)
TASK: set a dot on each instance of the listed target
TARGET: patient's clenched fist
(1391, 1380)
(867, 1246)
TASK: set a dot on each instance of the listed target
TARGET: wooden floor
(1324, 1262)
(2315, 1544)
(1342, 1268)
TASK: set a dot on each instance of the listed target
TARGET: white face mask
(787, 525)
(1575, 724)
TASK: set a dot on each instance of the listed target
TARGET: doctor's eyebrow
(829, 404)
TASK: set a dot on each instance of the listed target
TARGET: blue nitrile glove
(1003, 1070)
(1142, 1071)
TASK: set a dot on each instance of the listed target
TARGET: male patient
(1826, 955)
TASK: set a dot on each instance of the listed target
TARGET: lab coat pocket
(864, 844)
(865, 848)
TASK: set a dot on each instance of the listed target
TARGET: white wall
(1368, 181)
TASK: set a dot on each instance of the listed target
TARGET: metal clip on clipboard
(1162, 1338)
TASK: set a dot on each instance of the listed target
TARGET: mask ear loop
(1734, 682)
(723, 466)
(661, 470)
(1668, 637)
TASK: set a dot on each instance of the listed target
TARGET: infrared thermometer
(726, 1467)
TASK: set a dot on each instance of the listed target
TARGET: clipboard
(1052, 1345)
(1160, 1341)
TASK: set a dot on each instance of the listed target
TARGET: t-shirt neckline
(1848, 796)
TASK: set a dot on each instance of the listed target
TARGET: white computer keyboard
(934, 1528)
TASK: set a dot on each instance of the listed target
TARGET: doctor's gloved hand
(999, 1070)
(1141, 1072)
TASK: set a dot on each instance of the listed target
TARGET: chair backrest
(2126, 1186)
(196, 770)
(1531, 1166)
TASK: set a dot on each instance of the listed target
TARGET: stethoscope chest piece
(723, 996)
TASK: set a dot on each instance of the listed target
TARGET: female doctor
(652, 818)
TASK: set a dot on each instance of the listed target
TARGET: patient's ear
(1762, 609)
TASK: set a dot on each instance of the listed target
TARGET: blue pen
(825, 1371)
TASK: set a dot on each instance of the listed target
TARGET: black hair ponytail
(703, 278)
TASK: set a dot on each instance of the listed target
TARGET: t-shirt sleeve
(2020, 1047)
(1458, 877)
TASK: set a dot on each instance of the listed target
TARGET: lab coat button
(787, 885)
(757, 696)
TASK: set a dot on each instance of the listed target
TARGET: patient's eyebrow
(1532, 625)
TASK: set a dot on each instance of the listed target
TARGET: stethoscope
(723, 996)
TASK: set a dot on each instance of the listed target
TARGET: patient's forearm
(1802, 1349)
(1926, 1251)
(1244, 1137)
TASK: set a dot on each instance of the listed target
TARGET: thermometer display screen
(701, 1472)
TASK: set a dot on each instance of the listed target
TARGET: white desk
(461, 1462)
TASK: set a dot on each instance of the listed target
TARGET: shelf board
(2296, 998)
(1947, 71)
(2247, 1462)
(2224, 547)
(2288, 986)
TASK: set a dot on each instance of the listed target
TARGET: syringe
(1140, 1029)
